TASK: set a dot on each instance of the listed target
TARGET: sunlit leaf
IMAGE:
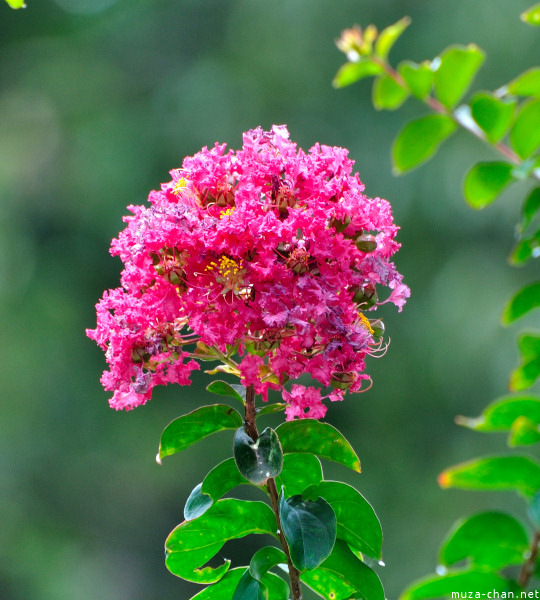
(418, 141)
(299, 471)
(489, 539)
(526, 84)
(352, 72)
(387, 93)
(456, 582)
(456, 72)
(248, 588)
(357, 523)
(493, 115)
(529, 369)
(16, 3)
(260, 459)
(419, 77)
(274, 587)
(264, 559)
(524, 432)
(270, 409)
(532, 15)
(328, 585)
(309, 526)
(232, 390)
(388, 37)
(344, 565)
(526, 249)
(527, 299)
(501, 414)
(197, 503)
(222, 478)
(530, 208)
(202, 422)
(193, 543)
(314, 437)
(512, 473)
(525, 134)
(485, 181)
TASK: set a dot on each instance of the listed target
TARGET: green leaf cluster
(328, 526)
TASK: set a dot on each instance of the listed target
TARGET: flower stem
(529, 565)
(251, 429)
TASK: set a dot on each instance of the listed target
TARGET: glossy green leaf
(270, 409)
(524, 432)
(525, 134)
(222, 388)
(529, 369)
(419, 77)
(493, 115)
(357, 523)
(485, 181)
(532, 15)
(193, 543)
(352, 72)
(419, 140)
(389, 36)
(202, 422)
(387, 93)
(526, 84)
(457, 69)
(458, 582)
(197, 503)
(501, 414)
(328, 585)
(264, 559)
(299, 471)
(322, 439)
(511, 473)
(527, 299)
(258, 460)
(347, 568)
(16, 3)
(309, 526)
(248, 588)
(222, 478)
(274, 587)
(526, 249)
(490, 539)
(530, 208)
(534, 511)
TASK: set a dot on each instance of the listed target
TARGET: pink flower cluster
(264, 260)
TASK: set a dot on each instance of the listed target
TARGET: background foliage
(98, 100)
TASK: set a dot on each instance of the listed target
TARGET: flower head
(266, 260)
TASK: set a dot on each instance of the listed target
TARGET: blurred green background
(99, 99)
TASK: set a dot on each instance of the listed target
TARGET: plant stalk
(529, 565)
(251, 429)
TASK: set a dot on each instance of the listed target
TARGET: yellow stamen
(226, 213)
(365, 322)
(179, 185)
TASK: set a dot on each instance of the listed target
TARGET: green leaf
(248, 588)
(419, 77)
(197, 503)
(352, 72)
(322, 439)
(264, 559)
(299, 471)
(511, 473)
(493, 115)
(457, 582)
(523, 302)
(419, 140)
(270, 409)
(221, 479)
(357, 523)
(16, 3)
(456, 72)
(526, 249)
(309, 528)
(202, 422)
(328, 585)
(526, 84)
(193, 543)
(389, 36)
(387, 93)
(534, 511)
(222, 388)
(529, 369)
(501, 414)
(485, 181)
(258, 460)
(530, 208)
(525, 134)
(274, 587)
(489, 539)
(523, 433)
(344, 565)
(531, 15)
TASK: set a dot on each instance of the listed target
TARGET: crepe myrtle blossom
(266, 260)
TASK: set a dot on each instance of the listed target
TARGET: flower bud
(366, 243)
(378, 328)
(342, 381)
(366, 296)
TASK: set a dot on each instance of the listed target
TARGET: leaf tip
(158, 458)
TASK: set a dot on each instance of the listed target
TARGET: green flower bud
(366, 243)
